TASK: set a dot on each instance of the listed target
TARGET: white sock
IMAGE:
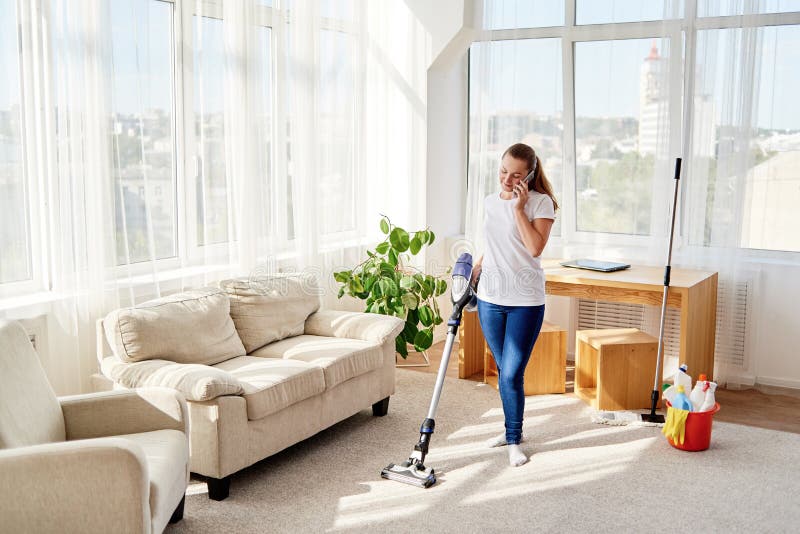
(515, 456)
(500, 441)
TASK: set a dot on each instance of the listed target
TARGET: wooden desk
(692, 291)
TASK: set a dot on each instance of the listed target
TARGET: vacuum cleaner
(413, 470)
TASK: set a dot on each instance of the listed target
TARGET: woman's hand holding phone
(524, 181)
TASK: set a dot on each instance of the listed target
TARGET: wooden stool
(614, 368)
(546, 371)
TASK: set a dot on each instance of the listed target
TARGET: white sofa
(260, 365)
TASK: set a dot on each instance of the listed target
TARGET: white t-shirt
(510, 275)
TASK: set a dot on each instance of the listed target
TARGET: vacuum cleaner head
(422, 477)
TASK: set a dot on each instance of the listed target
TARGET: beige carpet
(582, 476)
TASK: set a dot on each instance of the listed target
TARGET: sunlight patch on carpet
(559, 469)
(387, 500)
(493, 428)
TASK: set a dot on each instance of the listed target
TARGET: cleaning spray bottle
(698, 394)
(682, 402)
(709, 401)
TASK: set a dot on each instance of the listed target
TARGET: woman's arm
(476, 270)
(534, 233)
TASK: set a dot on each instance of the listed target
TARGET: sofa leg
(177, 515)
(381, 408)
(218, 488)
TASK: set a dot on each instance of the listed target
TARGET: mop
(413, 470)
(650, 419)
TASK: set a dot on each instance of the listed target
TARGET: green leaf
(392, 257)
(400, 346)
(441, 287)
(341, 291)
(407, 282)
(425, 315)
(410, 301)
(384, 227)
(342, 276)
(382, 248)
(369, 281)
(393, 289)
(431, 238)
(399, 239)
(415, 245)
(410, 330)
(423, 340)
(355, 285)
(374, 308)
(386, 269)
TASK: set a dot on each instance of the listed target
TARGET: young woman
(517, 226)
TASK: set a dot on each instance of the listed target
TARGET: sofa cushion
(269, 308)
(188, 327)
(272, 384)
(196, 382)
(354, 325)
(167, 456)
(340, 358)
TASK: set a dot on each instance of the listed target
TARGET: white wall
(774, 327)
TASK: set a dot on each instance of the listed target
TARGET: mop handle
(437, 391)
(667, 277)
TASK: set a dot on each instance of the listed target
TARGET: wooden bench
(615, 368)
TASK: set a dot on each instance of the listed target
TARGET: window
(336, 126)
(517, 105)
(621, 94)
(501, 14)
(209, 94)
(626, 115)
(719, 8)
(610, 11)
(15, 233)
(143, 133)
(765, 204)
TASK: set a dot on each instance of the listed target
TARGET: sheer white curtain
(176, 144)
(729, 68)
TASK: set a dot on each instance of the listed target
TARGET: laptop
(596, 265)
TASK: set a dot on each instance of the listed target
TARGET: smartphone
(527, 178)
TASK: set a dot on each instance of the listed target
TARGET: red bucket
(698, 430)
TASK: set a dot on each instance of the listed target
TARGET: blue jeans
(511, 332)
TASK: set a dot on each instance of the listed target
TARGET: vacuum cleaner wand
(413, 470)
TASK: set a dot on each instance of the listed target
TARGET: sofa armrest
(112, 413)
(96, 485)
(354, 325)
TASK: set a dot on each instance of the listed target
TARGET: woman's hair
(540, 183)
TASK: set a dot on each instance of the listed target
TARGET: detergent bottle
(682, 402)
(698, 394)
(669, 393)
(682, 378)
(709, 401)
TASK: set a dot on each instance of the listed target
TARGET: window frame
(682, 34)
(35, 225)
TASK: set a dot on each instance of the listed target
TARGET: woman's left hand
(522, 195)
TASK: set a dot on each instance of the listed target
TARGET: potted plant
(390, 286)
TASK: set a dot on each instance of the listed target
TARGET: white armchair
(116, 461)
